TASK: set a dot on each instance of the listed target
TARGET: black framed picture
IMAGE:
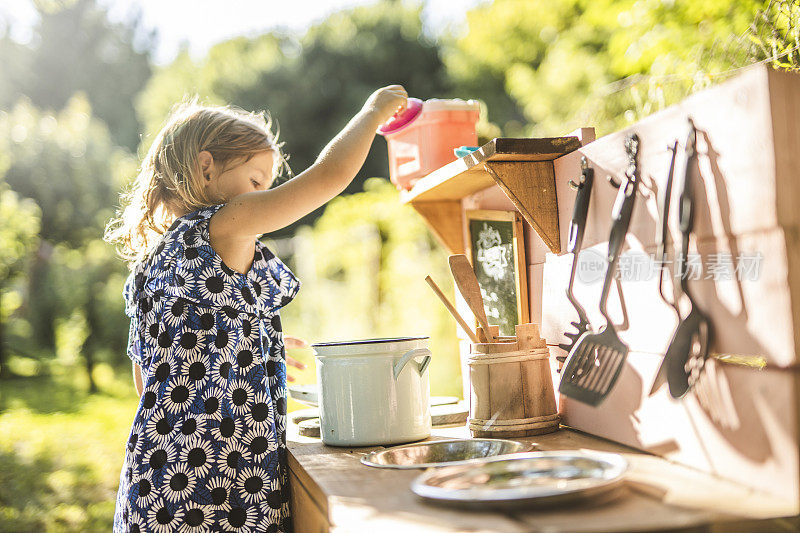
(497, 253)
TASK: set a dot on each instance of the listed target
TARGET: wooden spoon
(470, 290)
(449, 306)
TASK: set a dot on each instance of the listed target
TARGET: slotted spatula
(595, 362)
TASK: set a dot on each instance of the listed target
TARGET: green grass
(61, 451)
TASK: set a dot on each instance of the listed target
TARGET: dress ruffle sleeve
(184, 265)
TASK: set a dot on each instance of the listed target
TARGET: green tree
(18, 236)
(601, 63)
(76, 48)
(775, 34)
(312, 85)
(68, 165)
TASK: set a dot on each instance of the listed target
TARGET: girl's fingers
(291, 361)
(290, 377)
(294, 342)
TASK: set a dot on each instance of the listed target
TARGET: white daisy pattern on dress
(276, 371)
(176, 312)
(233, 457)
(160, 455)
(212, 287)
(138, 523)
(179, 394)
(241, 519)
(222, 370)
(190, 343)
(143, 490)
(163, 517)
(198, 454)
(240, 394)
(220, 490)
(192, 426)
(229, 428)
(272, 503)
(279, 400)
(198, 519)
(160, 427)
(260, 440)
(212, 403)
(178, 482)
(197, 367)
(253, 484)
(204, 452)
(135, 438)
(261, 412)
(245, 358)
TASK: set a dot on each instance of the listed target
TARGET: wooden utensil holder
(511, 389)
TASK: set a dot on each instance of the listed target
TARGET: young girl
(207, 450)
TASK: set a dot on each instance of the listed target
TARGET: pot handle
(409, 355)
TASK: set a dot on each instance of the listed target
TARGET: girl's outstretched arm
(252, 214)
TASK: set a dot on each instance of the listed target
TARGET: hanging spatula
(576, 230)
(596, 361)
(688, 350)
(467, 283)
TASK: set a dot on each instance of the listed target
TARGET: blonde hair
(170, 179)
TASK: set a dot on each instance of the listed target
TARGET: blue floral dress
(207, 450)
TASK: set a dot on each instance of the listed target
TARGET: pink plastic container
(426, 142)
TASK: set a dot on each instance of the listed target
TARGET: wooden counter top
(332, 490)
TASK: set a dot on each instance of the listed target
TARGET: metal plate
(534, 478)
(442, 453)
(305, 394)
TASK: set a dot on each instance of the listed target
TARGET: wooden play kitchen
(651, 277)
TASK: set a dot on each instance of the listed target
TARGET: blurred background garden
(85, 84)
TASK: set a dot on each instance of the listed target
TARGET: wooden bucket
(511, 388)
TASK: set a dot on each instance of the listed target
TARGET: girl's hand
(386, 101)
(293, 342)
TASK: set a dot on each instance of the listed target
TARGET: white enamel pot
(374, 391)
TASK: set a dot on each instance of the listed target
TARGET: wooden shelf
(522, 168)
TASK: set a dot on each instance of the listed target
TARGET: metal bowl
(442, 453)
(535, 478)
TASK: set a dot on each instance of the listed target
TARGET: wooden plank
(531, 188)
(659, 495)
(746, 204)
(466, 174)
(306, 513)
(542, 149)
(506, 399)
(758, 451)
(451, 182)
(752, 316)
(784, 103)
(445, 220)
(748, 185)
(304, 482)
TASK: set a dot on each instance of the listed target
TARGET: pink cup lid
(403, 118)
